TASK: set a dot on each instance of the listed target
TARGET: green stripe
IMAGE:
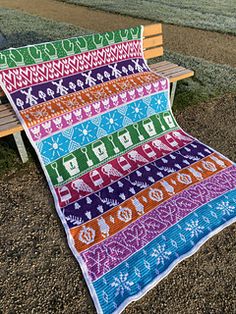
(82, 160)
(62, 48)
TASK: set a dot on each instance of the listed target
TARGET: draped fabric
(134, 192)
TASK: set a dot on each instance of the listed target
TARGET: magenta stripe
(102, 257)
(67, 119)
(25, 76)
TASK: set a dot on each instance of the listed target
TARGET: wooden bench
(153, 48)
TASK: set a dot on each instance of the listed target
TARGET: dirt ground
(212, 46)
(40, 275)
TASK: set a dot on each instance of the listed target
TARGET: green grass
(204, 14)
(210, 80)
(21, 29)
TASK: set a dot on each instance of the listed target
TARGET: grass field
(21, 29)
(204, 14)
(210, 80)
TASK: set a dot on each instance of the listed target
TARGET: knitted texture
(134, 192)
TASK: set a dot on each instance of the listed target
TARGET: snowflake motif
(85, 133)
(135, 236)
(137, 272)
(161, 254)
(55, 147)
(160, 102)
(122, 284)
(137, 111)
(194, 228)
(111, 121)
(225, 208)
(105, 296)
(96, 260)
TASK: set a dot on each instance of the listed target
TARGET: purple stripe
(28, 75)
(102, 257)
(116, 193)
(24, 102)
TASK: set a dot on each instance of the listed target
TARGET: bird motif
(135, 156)
(161, 146)
(109, 170)
(80, 185)
(180, 136)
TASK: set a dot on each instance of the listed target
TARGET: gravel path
(40, 275)
(212, 46)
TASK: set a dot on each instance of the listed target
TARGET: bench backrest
(153, 41)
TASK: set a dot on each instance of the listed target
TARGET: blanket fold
(135, 193)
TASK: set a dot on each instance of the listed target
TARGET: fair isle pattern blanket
(134, 192)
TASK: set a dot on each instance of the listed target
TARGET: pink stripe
(26, 76)
(123, 164)
(101, 258)
(70, 118)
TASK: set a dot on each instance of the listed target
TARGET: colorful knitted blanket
(135, 193)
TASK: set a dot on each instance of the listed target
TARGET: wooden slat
(159, 64)
(166, 67)
(184, 71)
(181, 75)
(154, 52)
(172, 71)
(10, 128)
(152, 42)
(5, 106)
(153, 29)
(9, 123)
(8, 119)
(6, 112)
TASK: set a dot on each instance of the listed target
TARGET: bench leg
(172, 93)
(21, 147)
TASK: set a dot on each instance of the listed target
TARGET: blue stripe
(141, 269)
(73, 138)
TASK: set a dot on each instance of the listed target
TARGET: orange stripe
(150, 198)
(47, 110)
